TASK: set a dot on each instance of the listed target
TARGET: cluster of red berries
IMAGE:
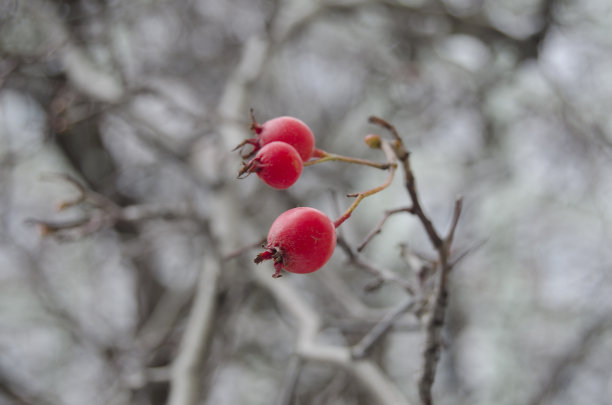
(302, 239)
(281, 147)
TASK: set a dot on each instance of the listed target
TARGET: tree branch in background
(360, 349)
(378, 228)
(560, 370)
(106, 213)
(186, 368)
(382, 275)
(369, 376)
(292, 375)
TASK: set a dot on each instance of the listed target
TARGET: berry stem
(324, 156)
(255, 127)
(391, 165)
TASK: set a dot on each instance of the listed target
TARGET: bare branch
(381, 274)
(106, 213)
(290, 381)
(163, 318)
(378, 228)
(382, 390)
(243, 249)
(185, 381)
(392, 162)
(433, 343)
(455, 221)
(560, 369)
(360, 349)
(404, 156)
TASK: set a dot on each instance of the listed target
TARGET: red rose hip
(300, 240)
(282, 129)
(278, 164)
(289, 130)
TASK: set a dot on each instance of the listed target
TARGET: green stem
(391, 165)
(329, 157)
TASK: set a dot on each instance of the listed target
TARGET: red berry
(284, 129)
(278, 164)
(289, 130)
(300, 240)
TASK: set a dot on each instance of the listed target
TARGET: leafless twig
(378, 228)
(104, 213)
(382, 275)
(243, 249)
(187, 365)
(432, 341)
(382, 390)
(560, 369)
(360, 349)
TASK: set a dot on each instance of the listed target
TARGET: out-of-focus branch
(81, 71)
(186, 368)
(370, 377)
(290, 381)
(360, 349)
(560, 369)
(378, 228)
(19, 395)
(105, 213)
(382, 275)
(163, 318)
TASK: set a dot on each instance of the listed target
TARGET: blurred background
(145, 292)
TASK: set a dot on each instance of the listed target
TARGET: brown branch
(454, 222)
(433, 343)
(332, 157)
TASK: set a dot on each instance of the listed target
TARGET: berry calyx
(301, 240)
(284, 129)
(278, 164)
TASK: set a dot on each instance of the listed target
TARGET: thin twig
(560, 370)
(383, 123)
(381, 274)
(369, 375)
(392, 161)
(410, 183)
(237, 252)
(105, 213)
(378, 228)
(360, 349)
(332, 157)
(455, 221)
